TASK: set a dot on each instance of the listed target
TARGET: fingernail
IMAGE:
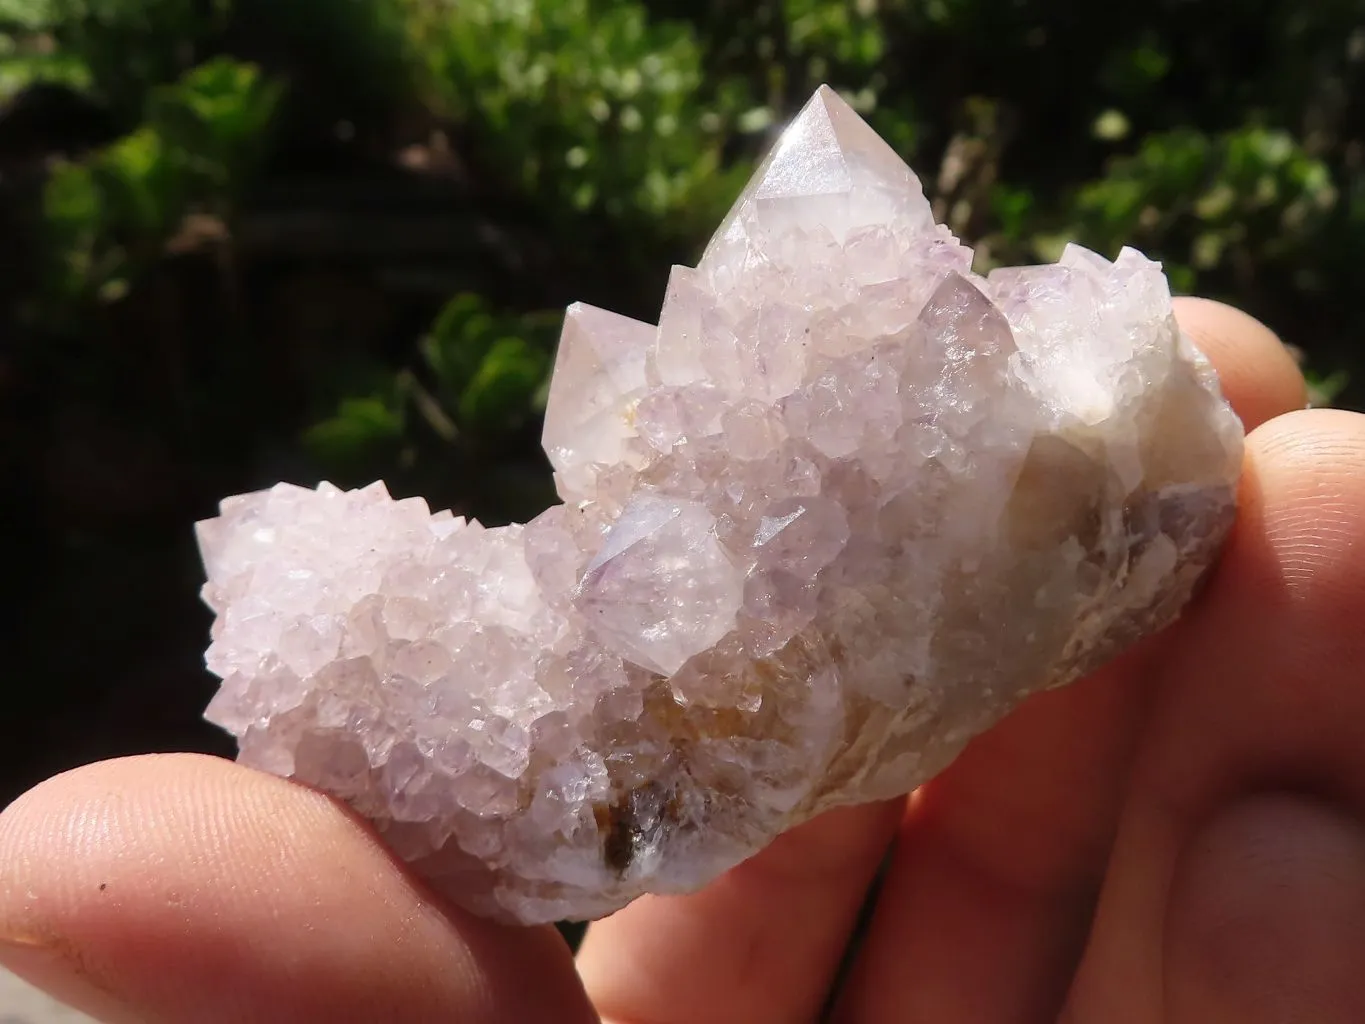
(45, 965)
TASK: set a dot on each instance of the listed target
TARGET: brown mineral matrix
(840, 511)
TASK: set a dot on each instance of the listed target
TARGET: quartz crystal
(840, 511)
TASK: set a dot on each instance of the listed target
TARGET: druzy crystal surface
(840, 511)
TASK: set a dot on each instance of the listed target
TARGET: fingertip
(1259, 376)
(1259, 687)
(1301, 528)
(1279, 625)
(190, 888)
(1318, 436)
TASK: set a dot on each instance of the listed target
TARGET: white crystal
(662, 588)
(588, 414)
(842, 510)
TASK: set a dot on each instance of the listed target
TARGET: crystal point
(828, 175)
(843, 509)
(599, 372)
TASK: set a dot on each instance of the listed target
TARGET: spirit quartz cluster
(841, 510)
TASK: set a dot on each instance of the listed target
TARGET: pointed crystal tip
(829, 170)
(599, 372)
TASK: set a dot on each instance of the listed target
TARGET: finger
(762, 943)
(1267, 917)
(997, 865)
(1264, 689)
(1257, 373)
(183, 888)
(989, 894)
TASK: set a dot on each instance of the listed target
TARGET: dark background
(251, 240)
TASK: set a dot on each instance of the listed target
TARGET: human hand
(1180, 838)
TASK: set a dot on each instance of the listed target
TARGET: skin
(1178, 839)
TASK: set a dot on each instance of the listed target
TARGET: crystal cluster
(841, 510)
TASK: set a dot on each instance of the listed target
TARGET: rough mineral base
(840, 511)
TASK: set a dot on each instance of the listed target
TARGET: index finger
(181, 888)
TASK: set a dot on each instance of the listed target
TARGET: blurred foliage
(480, 375)
(585, 106)
(110, 214)
(576, 148)
(121, 48)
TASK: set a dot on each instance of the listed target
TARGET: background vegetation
(246, 240)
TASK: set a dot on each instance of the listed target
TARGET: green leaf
(361, 427)
(501, 393)
(1011, 207)
(232, 101)
(19, 71)
(28, 15)
(619, 89)
(73, 216)
(140, 183)
(1325, 388)
(460, 337)
(70, 200)
(216, 117)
